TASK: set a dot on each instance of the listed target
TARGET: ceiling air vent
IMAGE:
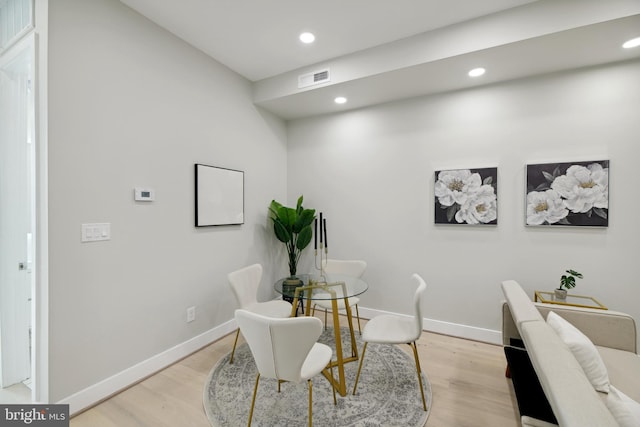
(313, 78)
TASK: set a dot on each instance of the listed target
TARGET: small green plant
(568, 280)
(292, 226)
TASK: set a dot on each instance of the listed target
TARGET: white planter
(561, 294)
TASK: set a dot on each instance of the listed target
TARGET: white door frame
(37, 40)
(40, 312)
(37, 36)
(18, 200)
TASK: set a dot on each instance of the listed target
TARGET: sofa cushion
(571, 396)
(624, 370)
(625, 410)
(584, 351)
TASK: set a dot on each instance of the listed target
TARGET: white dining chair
(351, 268)
(244, 284)
(285, 350)
(394, 329)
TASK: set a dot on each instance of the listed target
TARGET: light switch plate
(96, 232)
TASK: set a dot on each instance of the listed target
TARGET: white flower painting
(466, 196)
(568, 194)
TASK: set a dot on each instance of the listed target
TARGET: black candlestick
(326, 244)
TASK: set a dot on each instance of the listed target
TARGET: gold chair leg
(358, 317)
(419, 371)
(253, 402)
(359, 367)
(335, 402)
(234, 346)
(310, 403)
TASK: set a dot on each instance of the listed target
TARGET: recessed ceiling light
(307, 38)
(476, 72)
(340, 100)
(632, 43)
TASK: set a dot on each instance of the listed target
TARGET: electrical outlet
(191, 314)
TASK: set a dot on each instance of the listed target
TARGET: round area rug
(388, 393)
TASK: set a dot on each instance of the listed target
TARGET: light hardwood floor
(17, 393)
(467, 380)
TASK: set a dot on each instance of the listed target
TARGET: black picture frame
(567, 194)
(466, 196)
(219, 196)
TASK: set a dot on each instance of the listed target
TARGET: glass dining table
(331, 287)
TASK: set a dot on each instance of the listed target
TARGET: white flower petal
(454, 186)
(544, 207)
(583, 187)
(480, 207)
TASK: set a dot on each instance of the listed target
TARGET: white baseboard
(447, 328)
(96, 393)
(102, 390)
(463, 331)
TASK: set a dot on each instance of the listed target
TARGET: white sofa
(571, 396)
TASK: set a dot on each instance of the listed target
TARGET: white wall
(371, 172)
(131, 105)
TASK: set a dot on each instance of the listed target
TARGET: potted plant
(567, 281)
(293, 228)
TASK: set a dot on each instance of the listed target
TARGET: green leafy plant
(293, 228)
(568, 280)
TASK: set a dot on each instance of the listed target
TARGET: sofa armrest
(509, 328)
(605, 328)
(529, 393)
(533, 422)
(573, 399)
(522, 309)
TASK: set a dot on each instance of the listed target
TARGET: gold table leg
(340, 384)
(354, 347)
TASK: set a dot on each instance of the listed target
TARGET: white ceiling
(382, 50)
(259, 38)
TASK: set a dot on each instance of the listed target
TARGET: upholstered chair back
(244, 284)
(417, 302)
(279, 346)
(351, 268)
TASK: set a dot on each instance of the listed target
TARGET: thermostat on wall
(144, 194)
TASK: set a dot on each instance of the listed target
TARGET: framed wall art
(219, 196)
(569, 194)
(466, 196)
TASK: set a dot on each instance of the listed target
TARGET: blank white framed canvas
(219, 196)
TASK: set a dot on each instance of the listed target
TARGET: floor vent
(313, 78)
